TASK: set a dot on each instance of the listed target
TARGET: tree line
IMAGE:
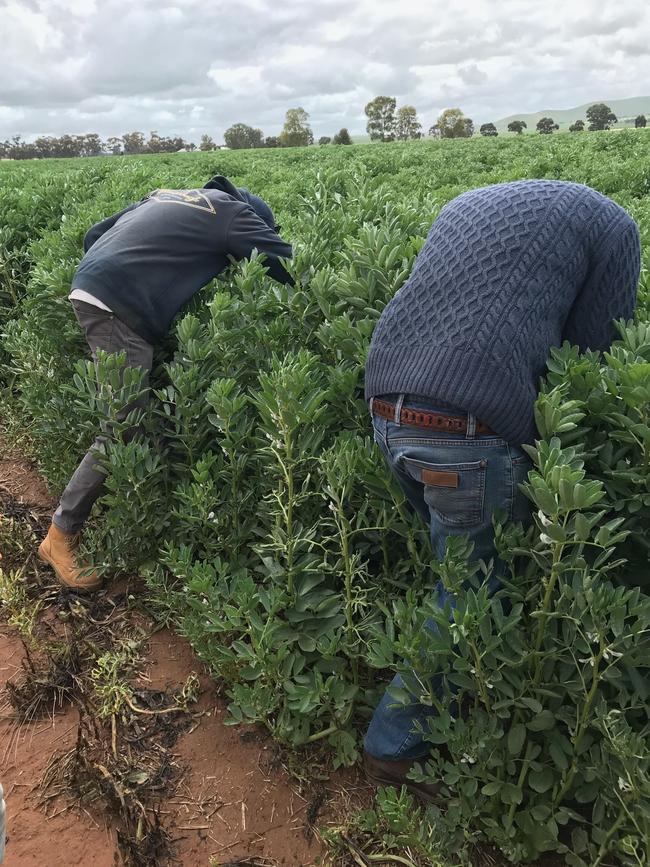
(385, 123)
(599, 117)
(91, 145)
(296, 132)
(388, 123)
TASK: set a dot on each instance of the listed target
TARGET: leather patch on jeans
(439, 479)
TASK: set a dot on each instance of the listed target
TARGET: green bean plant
(249, 495)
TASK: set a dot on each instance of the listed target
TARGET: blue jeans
(455, 482)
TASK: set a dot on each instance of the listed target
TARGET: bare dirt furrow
(162, 780)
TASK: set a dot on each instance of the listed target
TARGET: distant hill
(624, 109)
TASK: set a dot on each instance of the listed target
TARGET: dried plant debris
(46, 682)
(150, 845)
(125, 773)
(21, 513)
(314, 810)
(87, 652)
(17, 542)
(166, 723)
(248, 862)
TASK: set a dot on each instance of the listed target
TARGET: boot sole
(76, 587)
(377, 780)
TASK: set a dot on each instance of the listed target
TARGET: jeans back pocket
(454, 492)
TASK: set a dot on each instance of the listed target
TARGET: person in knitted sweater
(507, 272)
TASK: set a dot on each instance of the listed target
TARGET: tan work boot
(380, 772)
(59, 550)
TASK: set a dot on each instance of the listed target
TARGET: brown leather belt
(430, 420)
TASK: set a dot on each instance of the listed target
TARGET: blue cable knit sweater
(507, 272)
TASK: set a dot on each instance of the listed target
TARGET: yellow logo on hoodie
(191, 198)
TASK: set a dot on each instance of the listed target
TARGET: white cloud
(10, 116)
(179, 65)
(27, 29)
(236, 78)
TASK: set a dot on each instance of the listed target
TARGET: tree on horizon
(407, 125)
(517, 126)
(240, 135)
(207, 144)
(600, 116)
(342, 137)
(380, 112)
(546, 125)
(134, 143)
(297, 131)
(452, 123)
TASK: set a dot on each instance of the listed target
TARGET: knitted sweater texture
(506, 272)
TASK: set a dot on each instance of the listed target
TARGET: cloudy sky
(192, 66)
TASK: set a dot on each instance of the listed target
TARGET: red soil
(228, 804)
(20, 479)
(263, 812)
(232, 800)
(34, 839)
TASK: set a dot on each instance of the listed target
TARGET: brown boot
(381, 772)
(59, 550)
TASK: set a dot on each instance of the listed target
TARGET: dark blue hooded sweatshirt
(147, 261)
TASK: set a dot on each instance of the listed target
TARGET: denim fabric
(488, 471)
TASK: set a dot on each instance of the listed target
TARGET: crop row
(262, 517)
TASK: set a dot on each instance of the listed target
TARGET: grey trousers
(105, 331)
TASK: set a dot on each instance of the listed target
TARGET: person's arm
(609, 294)
(247, 232)
(95, 232)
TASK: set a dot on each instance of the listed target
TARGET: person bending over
(507, 272)
(140, 267)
